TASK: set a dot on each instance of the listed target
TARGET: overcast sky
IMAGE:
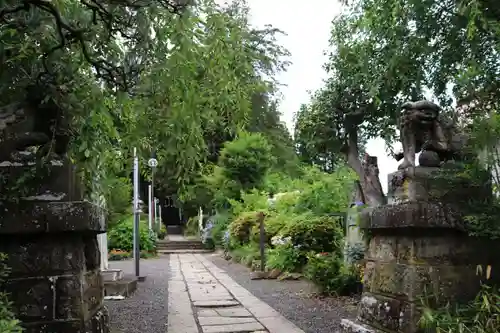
(308, 28)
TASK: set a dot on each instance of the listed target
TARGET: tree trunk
(369, 183)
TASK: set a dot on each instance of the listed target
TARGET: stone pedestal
(419, 250)
(50, 236)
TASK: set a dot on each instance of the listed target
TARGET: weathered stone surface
(447, 248)
(414, 282)
(44, 255)
(213, 304)
(205, 321)
(258, 275)
(32, 298)
(28, 217)
(429, 158)
(99, 323)
(233, 328)
(56, 182)
(411, 215)
(420, 250)
(388, 313)
(225, 312)
(274, 274)
(349, 326)
(52, 249)
(435, 184)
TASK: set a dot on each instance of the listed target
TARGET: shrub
(121, 236)
(286, 258)
(117, 255)
(220, 226)
(247, 254)
(8, 323)
(192, 226)
(314, 233)
(328, 272)
(241, 227)
(354, 252)
(206, 236)
(163, 231)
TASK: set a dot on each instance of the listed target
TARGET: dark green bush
(120, 237)
(314, 233)
(8, 323)
(328, 272)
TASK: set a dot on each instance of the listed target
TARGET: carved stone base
(419, 250)
(50, 237)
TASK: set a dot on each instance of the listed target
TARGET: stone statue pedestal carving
(419, 250)
(49, 234)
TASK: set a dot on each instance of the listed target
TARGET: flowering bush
(206, 236)
(286, 258)
(116, 254)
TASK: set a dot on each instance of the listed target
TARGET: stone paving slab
(204, 299)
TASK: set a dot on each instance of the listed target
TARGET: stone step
(184, 251)
(174, 230)
(124, 287)
(179, 245)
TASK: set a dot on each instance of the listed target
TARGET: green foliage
(118, 194)
(286, 258)
(121, 236)
(482, 315)
(192, 226)
(314, 233)
(296, 222)
(162, 232)
(8, 323)
(242, 166)
(241, 227)
(220, 224)
(246, 254)
(330, 274)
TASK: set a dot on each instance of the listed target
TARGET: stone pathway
(204, 299)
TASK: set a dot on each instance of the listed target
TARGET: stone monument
(418, 247)
(47, 229)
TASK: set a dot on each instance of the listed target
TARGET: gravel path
(293, 299)
(146, 311)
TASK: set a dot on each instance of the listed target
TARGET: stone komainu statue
(36, 122)
(423, 129)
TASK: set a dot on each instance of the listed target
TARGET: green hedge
(120, 237)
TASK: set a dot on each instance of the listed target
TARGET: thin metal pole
(156, 212)
(150, 207)
(153, 188)
(137, 253)
(159, 217)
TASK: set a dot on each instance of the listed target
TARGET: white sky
(308, 30)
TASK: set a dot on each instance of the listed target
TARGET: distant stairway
(174, 230)
(180, 244)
